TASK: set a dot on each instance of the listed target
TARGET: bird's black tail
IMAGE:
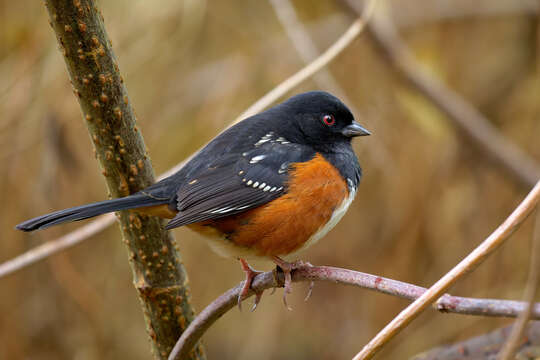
(90, 210)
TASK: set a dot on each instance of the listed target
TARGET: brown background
(427, 197)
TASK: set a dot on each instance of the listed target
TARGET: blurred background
(427, 198)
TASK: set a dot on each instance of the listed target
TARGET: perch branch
(158, 273)
(468, 264)
(95, 226)
(271, 279)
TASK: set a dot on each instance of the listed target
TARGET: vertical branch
(158, 273)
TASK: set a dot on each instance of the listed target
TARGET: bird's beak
(355, 129)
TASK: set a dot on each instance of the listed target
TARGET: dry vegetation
(427, 197)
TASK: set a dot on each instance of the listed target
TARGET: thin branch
(49, 248)
(162, 284)
(462, 115)
(271, 279)
(484, 346)
(471, 261)
(95, 226)
(531, 288)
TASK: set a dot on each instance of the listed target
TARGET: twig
(471, 261)
(55, 246)
(475, 126)
(98, 85)
(93, 227)
(484, 346)
(271, 279)
(531, 288)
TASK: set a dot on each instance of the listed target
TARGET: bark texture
(158, 273)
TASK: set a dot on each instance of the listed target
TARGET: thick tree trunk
(158, 273)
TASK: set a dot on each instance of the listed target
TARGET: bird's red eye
(328, 120)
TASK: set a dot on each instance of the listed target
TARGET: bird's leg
(311, 283)
(287, 267)
(250, 275)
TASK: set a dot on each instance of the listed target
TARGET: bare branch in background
(486, 346)
(95, 226)
(472, 124)
(271, 279)
(471, 261)
(52, 247)
(529, 294)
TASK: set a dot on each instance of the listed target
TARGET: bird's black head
(320, 119)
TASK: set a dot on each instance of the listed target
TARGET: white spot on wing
(249, 183)
(222, 210)
(256, 159)
(283, 168)
(267, 188)
(262, 141)
(262, 185)
(256, 184)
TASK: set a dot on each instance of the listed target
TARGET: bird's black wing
(238, 182)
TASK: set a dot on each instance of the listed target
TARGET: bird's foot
(287, 267)
(250, 275)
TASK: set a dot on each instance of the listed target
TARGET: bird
(268, 187)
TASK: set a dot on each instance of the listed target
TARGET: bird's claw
(250, 275)
(287, 268)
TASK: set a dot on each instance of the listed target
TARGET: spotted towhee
(267, 187)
